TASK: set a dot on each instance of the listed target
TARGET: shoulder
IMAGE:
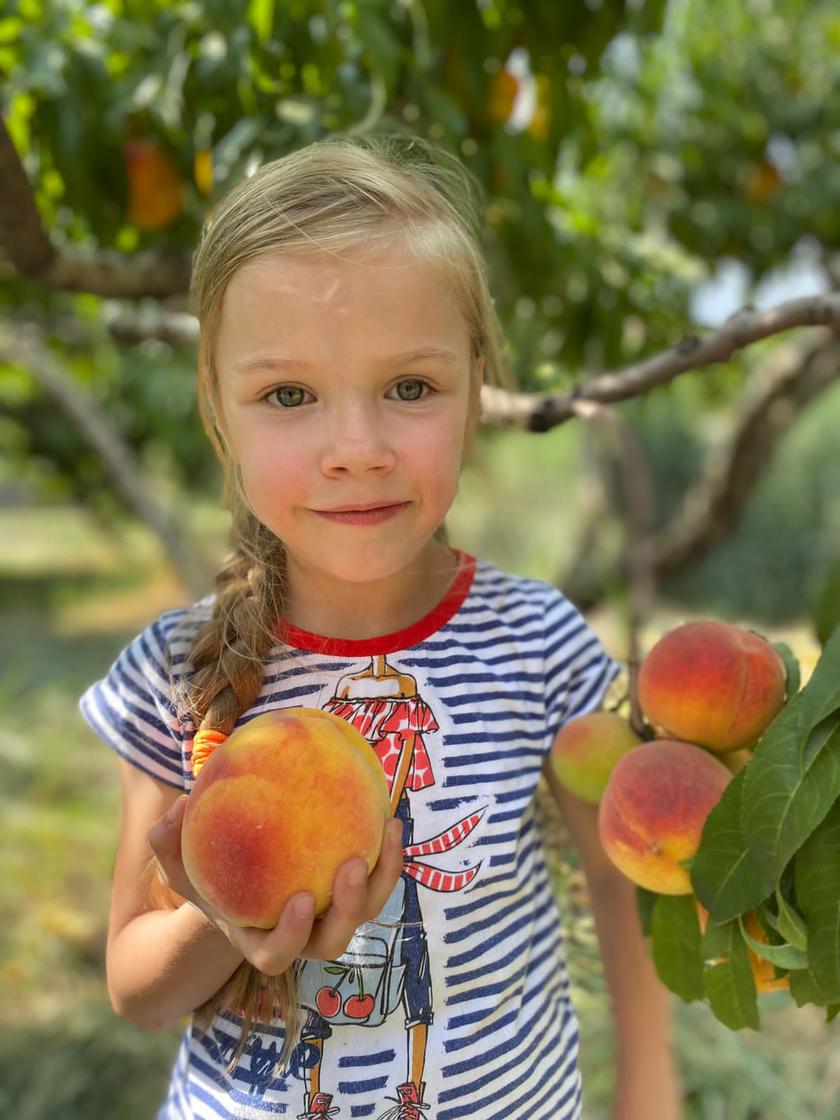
(138, 707)
(516, 597)
(165, 643)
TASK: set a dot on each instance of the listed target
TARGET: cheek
(436, 456)
(272, 471)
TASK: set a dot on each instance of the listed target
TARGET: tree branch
(154, 272)
(539, 412)
(27, 349)
(711, 507)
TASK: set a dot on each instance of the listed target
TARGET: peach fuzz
(654, 808)
(713, 684)
(587, 748)
(277, 809)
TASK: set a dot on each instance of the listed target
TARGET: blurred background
(648, 168)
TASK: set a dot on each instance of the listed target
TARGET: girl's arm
(647, 1086)
(163, 963)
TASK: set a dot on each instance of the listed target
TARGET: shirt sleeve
(578, 670)
(132, 709)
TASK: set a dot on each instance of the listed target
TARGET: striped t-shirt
(455, 1003)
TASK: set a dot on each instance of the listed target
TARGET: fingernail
(357, 875)
(304, 906)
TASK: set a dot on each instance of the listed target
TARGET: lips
(361, 507)
(363, 515)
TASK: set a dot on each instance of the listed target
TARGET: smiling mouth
(368, 515)
(367, 508)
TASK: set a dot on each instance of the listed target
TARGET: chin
(359, 562)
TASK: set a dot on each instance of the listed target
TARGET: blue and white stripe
(513, 664)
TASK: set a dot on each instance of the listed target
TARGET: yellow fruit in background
(586, 750)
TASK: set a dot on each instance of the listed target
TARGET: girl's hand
(356, 898)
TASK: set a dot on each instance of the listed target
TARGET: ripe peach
(277, 809)
(586, 750)
(654, 808)
(713, 684)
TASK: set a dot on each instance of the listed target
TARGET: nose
(357, 440)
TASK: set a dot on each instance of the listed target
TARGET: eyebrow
(287, 365)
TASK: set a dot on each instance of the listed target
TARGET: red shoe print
(409, 1105)
(319, 1107)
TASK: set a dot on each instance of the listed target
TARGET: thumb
(165, 841)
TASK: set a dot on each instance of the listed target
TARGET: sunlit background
(647, 169)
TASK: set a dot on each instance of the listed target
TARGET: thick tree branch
(711, 508)
(25, 348)
(21, 230)
(539, 412)
(29, 250)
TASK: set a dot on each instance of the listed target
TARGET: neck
(321, 605)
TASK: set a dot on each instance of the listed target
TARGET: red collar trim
(397, 640)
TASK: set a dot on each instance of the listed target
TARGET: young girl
(346, 329)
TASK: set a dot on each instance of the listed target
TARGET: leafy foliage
(768, 855)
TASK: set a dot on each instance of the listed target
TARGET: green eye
(415, 390)
(289, 395)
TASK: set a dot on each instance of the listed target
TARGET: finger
(273, 951)
(389, 868)
(348, 909)
(165, 841)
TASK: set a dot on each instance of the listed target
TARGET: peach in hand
(587, 748)
(277, 808)
(654, 808)
(713, 684)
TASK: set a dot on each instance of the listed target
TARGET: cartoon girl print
(387, 962)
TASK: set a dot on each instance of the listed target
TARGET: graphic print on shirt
(386, 965)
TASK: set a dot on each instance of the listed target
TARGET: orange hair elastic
(205, 742)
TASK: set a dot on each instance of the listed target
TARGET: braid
(227, 656)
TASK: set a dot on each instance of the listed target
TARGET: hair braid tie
(204, 743)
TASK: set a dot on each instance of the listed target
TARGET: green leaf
(726, 876)
(789, 924)
(645, 902)
(827, 605)
(727, 978)
(794, 676)
(817, 877)
(783, 956)
(675, 930)
(804, 988)
(794, 776)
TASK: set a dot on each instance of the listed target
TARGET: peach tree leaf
(794, 776)
(727, 976)
(675, 932)
(725, 874)
(817, 877)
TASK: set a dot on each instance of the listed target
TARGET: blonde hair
(335, 194)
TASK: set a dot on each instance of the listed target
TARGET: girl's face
(344, 381)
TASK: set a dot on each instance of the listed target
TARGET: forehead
(354, 300)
